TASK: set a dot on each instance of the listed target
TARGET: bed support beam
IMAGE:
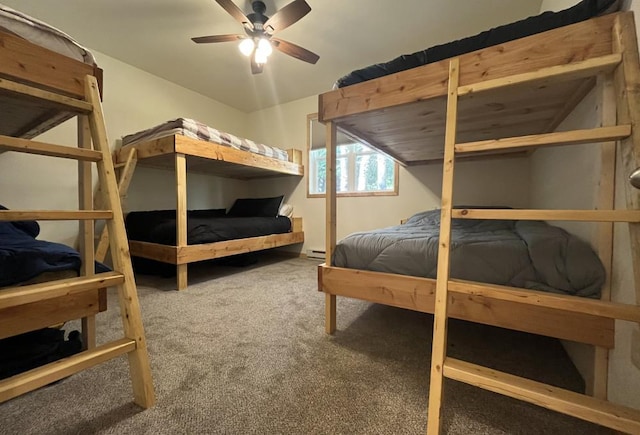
(181, 215)
(331, 223)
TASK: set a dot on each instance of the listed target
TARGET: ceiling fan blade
(295, 50)
(256, 68)
(236, 13)
(217, 38)
(287, 16)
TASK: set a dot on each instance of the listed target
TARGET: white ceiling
(154, 35)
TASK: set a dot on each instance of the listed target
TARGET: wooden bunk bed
(39, 89)
(182, 153)
(27, 63)
(498, 100)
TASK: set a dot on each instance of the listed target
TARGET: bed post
(627, 81)
(605, 201)
(86, 237)
(181, 216)
(330, 300)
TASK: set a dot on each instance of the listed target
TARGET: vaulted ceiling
(155, 36)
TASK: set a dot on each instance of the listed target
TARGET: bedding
(582, 11)
(203, 226)
(42, 34)
(524, 254)
(23, 257)
(197, 130)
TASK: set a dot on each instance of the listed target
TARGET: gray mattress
(525, 254)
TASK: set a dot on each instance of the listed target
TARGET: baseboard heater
(316, 253)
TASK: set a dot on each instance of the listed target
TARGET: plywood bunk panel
(185, 154)
(495, 101)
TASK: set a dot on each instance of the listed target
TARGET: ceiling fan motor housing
(258, 17)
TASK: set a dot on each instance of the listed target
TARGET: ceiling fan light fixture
(260, 58)
(265, 47)
(246, 46)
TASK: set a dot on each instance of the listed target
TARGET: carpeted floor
(243, 351)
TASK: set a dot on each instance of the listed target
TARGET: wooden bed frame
(520, 91)
(24, 62)
(184, 154)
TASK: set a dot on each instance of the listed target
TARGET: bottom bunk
(26, 260)
(210, 234)
(522, 275)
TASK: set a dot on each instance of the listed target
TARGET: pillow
(260, 207)
(286, 210)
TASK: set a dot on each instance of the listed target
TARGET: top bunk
(207, 150)
(403, 114)
(36, 54)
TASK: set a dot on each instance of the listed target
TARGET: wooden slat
(154, 251)
(547, 76)
(36, 64)
(576, 137)
(553, 215)
(557, 399)
(54, 215)
(44, 149)
(56, 100)
(208, 251)
(439, 346)
(42, 314)
(38, 292)
(41, 376)
(415, 293)
(574, 304)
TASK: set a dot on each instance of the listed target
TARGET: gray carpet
(243, 351)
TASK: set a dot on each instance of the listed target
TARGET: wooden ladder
(93, 147)
(593, 409)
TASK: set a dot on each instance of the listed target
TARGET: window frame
(396, 168)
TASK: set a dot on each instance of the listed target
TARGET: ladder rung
(15, 296)
(54, 215)
(553, 215)
(549, 75)
(45, 149)
(574, 304)
(576, 137)
(61, 101)
(557, 399)
(41, 376)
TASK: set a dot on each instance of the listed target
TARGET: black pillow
(32, 228)
(260, 207)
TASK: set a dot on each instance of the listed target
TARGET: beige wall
(133, 100)
(566, 178)
(493, 182)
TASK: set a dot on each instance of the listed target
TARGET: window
(360, 169)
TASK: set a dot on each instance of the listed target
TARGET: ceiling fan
(258, 43)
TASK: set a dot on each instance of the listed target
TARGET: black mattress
(582, 11)
(203, 226)
(23, 257)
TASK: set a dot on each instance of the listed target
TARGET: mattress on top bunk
(582, 11)
(43, 34)
(524, 254)
(197, 130)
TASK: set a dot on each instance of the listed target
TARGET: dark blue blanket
(23, 257)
